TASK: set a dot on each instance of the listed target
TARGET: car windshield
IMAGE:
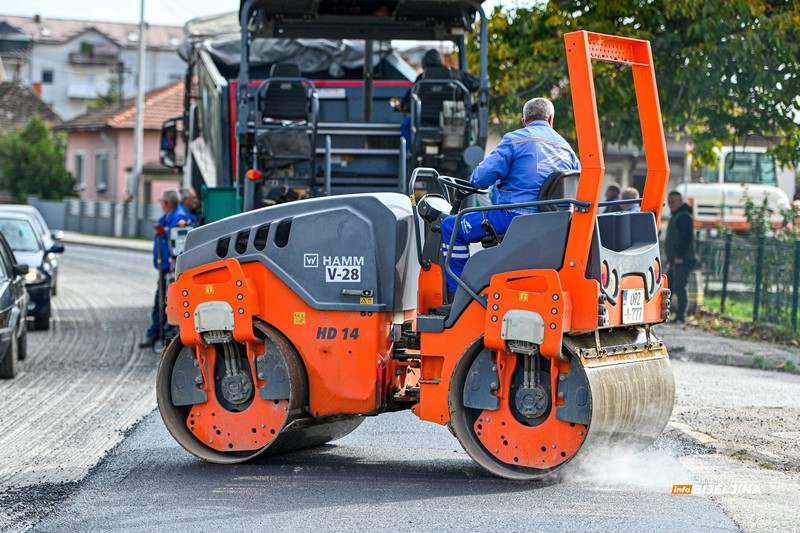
(31, 214)
(20, 235)
(750, 168)
(744, 167)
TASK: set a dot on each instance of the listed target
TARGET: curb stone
(689, 343)
(136, 245)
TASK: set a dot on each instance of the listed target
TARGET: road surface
(75, 459)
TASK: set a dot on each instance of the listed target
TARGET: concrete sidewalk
(684, 342)
(688, 343)
(122, 243)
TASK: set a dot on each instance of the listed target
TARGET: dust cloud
(654, 469)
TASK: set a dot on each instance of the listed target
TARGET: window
(47, 76)
(5, 264)
(79, 171)
(101, 172)
(749, 167)
(20, 235)
(8, 258)
(743, 167)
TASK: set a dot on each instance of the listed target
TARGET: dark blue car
(13, 307)
(29, 250)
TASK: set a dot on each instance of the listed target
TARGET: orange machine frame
(345, 380)
(583, 47)
(578, 313)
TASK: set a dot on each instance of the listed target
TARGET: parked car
(30, 250)
(48, 236)
(13, 309)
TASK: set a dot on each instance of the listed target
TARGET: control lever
(489, 229)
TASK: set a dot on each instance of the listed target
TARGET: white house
(69, 62)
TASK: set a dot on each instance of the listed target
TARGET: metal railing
(763, 272)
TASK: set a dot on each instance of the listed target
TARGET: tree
(32, 163)
(112, 95)
(727, 70)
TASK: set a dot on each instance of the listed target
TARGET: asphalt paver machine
(299, 320)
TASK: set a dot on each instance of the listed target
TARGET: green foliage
(734, 309)
(738, 321)
(757, 215)
(111, 96)
(32, 163)
(727, 70)
(788, 367)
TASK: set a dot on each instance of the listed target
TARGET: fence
(763, 273)
(97, 217)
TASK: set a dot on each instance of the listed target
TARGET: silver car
(47, 235)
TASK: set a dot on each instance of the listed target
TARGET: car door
(17, 281)
(9, 299)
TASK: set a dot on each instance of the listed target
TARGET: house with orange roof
(100, 147)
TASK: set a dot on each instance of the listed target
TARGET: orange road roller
(300, 319)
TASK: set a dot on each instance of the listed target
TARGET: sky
(169, 12)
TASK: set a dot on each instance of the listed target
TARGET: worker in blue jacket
(517, 167)
(174, 215)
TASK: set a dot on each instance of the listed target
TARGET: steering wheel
(460, 185)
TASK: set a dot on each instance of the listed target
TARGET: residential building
(100, 147)
(18, 103)
(74, 61)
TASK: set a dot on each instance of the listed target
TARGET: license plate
(632, 306)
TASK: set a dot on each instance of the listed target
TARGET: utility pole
(138, 139)
(120, 70)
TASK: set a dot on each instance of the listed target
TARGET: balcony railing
(79, 58)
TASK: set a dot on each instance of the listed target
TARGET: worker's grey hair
(171, 196)
(538, 109)
(186, 192)
(630, 193)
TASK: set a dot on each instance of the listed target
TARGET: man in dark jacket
(679, 247)
(612, 195)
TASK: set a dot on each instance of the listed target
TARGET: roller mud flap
(630, 388)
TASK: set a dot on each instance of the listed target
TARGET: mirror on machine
(169, 139)
(433, 207)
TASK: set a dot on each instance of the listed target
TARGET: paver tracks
(85, 382)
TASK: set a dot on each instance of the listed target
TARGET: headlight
(34, 276)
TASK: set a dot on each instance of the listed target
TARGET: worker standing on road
(612, 195)
(630, 193)
(191, 203)
(517, 167)
(174, 214)
(679, 248)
